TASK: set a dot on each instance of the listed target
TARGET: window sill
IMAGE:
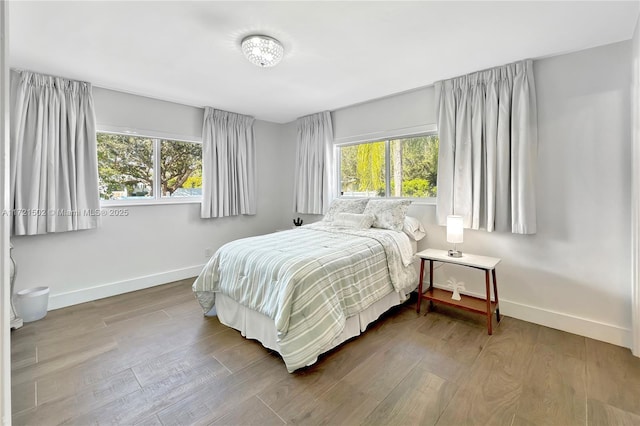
(414, 201)
(423, 201)
(149, 202)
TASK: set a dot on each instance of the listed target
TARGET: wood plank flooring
(151, 358)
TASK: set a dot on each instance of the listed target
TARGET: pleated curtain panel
(53, 160)
(229, 177)
(314, 178)
(487, 123)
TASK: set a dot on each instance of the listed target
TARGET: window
(141, 168)
(405, 167)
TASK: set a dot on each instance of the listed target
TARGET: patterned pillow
(353, 220)
(389, 214)
(345, 205)
(414, 228)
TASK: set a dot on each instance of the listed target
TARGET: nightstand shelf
(478, 305)
(466, 302)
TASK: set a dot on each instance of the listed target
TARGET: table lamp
(454, 234)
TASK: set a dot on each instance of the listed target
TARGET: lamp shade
(454, 229)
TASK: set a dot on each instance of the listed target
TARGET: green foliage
(362, 168)
(414, 167)
(418, 188)
(125, 162)
(420, 166)
(349, 168)
(370, 167)
(194, 181)
(179, 161)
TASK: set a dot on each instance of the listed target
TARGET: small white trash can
(32, 303)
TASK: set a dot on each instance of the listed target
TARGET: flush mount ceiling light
(262, 50)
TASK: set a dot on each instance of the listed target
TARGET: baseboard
(582, 326)
(597, 330)
(75, 297)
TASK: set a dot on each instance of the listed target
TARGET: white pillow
(345, 205)
(413, 228)
(353, 220)
(389, 214)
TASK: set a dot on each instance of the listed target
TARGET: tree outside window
(181, 169)
(127, 169)
(412, 165)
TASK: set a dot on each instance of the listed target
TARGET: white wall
(121, 112)
(575, 273)
(366, 121)
(635, 192)
(5, 322)
(159, 243)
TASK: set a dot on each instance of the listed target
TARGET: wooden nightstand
(468, 303)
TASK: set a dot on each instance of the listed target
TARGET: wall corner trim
(635, 192)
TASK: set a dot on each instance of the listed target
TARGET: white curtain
(314, 184)
(228, 164)
(487, 122)
(53, 160)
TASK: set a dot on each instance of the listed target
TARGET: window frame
(157, 199)
(385, 137)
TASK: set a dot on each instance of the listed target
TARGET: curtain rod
(49, 75)
(485, 69)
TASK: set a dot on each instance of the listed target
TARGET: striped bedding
(309, 280)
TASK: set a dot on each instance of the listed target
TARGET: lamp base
(454, 253)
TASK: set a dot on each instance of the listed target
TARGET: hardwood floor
(151, 358)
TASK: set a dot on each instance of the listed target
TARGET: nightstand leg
(495, 294)
(420, 285)
(431, 282)
(486, 279)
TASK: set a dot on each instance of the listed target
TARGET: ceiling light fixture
(263, 51)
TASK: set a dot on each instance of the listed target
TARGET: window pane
(362, 169)
(414, 167)
(181, 169)
(125, 167)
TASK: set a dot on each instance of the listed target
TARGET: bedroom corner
(635, 192)
(5, 340)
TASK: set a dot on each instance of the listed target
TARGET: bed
(302, 292)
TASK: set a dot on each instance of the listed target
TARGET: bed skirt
(254, 325)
